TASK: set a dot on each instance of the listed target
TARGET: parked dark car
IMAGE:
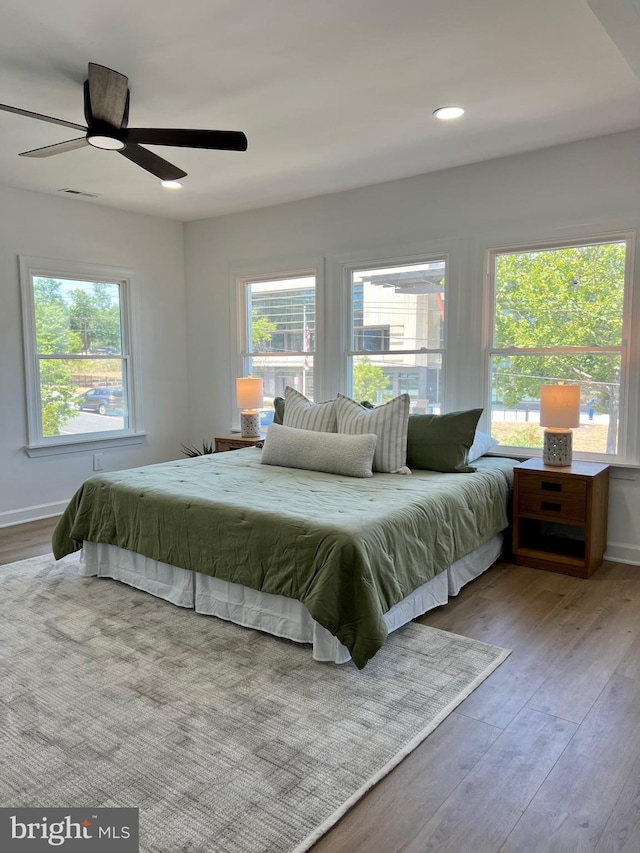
(101, 400)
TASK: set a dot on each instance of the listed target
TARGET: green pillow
(278, 405)
(442, 442)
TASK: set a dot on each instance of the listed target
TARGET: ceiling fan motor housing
(102, 133)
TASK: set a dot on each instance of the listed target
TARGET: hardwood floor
(26, 540)
(544, 757)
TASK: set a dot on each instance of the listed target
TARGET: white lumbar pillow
(330, 452)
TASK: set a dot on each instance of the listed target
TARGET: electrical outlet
(97, 462)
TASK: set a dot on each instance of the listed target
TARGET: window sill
(91, 442)
(620, 468)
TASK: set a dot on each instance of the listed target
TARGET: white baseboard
(619, 553)
(32, 513)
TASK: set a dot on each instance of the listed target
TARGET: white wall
(581, 188)
(49, 227)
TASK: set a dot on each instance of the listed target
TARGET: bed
(335, 561)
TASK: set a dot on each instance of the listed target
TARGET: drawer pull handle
(550, 507)
(551, 487)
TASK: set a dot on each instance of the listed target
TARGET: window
(561, 314)
(77, 354)
(396, 340)
(279, 333)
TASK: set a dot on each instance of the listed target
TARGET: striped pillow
(301, 413)
(388, 422)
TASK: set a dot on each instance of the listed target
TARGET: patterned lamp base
(250, 424)
(557, 449)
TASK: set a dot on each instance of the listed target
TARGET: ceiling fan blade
(29, 114)
(227, 140)
(152, 163)
(106, 96)
(59, 148)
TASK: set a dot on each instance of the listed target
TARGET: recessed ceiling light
(446, 113)
(171, 185)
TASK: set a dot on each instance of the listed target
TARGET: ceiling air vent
(69, 191)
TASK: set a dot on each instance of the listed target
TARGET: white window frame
(37, 444)
(628, 453)
(347, 270)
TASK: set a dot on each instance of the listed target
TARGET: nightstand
(236, 442)
(560, 516)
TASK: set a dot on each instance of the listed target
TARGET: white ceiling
(332, 94)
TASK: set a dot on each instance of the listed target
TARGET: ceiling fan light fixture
(447, 113)
(107, 143)
(171, 185)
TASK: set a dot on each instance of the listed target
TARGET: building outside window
(561, 315)
(77, 353)
(396, 340)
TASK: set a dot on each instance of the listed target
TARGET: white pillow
(301, 413)
(482, 443)
(389, 422)
(331, 452)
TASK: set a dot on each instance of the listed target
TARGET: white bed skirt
(274, 614)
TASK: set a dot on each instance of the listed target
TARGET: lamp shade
(560, 406)
(249, 392)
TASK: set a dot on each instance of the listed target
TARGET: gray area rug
(226, 740)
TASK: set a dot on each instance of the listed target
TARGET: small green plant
(192, 450)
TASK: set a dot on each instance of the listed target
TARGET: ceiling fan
(106, 110)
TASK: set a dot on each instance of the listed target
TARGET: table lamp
(249, 399)
(559, 413)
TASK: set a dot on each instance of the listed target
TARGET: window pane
(379, 378)
(515, 398)
(278, 372)
(281, 315)
(560, 297)
(398, 308)
(77, 317)
(281, 319)
(82, 396)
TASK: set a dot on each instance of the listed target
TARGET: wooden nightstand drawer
(560, 507)
(225, 443)
(226, 446)
(552, 487)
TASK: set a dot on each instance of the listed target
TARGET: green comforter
(349, 549)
